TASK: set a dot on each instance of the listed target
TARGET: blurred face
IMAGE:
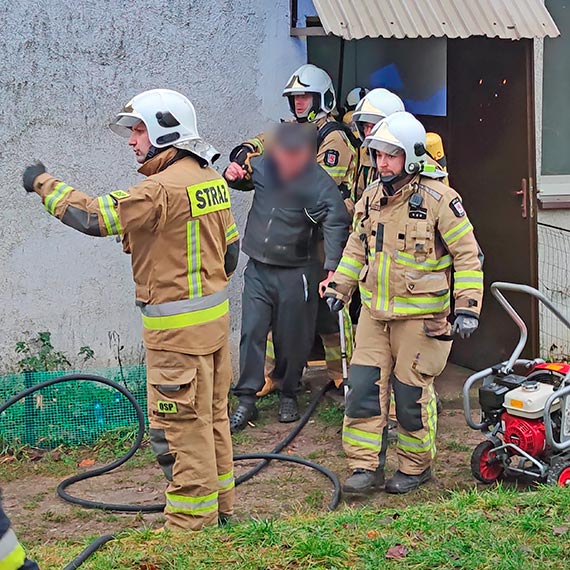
(139, 142)
(290, 163)
(388, 164)
(367, 128)
(302, 103)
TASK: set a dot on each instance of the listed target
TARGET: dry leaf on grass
(558, 530)
(87, 463)
(397, 552)
(372, 534)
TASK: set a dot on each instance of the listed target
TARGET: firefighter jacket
(365, 174)
(402, 251)
(335, 154)
(284, 220)
(12, 555)
(178, 227)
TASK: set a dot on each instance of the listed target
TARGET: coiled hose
(266, 458)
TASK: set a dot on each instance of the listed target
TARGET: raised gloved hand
(465, 324)
(335, 304)
(31, 173)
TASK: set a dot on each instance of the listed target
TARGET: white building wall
(66, 68)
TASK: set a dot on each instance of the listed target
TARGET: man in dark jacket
(295, 199)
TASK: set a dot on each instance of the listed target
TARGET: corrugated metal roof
(507, 19)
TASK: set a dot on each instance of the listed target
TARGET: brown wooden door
(491, 150)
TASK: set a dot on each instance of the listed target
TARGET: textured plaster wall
(66, 68)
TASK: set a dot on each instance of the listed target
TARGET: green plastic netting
(72, 413)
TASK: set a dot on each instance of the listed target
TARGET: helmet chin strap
(310, 114)
(153, 151)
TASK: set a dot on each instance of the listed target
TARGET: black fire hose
(264, 457)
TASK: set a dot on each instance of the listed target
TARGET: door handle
(523, 193)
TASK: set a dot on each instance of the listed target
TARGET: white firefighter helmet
(311, 79)
(398, 132)
(354, 97)
(170, 119)
(377, 105)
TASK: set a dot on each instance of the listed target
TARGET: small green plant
(38, 354)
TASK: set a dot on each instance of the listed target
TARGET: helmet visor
(124, 123)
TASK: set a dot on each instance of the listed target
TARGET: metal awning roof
(507, 19)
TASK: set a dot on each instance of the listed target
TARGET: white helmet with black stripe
(375, 106)
(170, 120)
(316, 81)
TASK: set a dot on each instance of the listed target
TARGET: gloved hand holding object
(335, 304)
(31, 173)
(465, 324)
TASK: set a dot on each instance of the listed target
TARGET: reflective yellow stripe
(270, 349)
(109, 214)
(421, 305)
(457, 232)
(194, 259)
(349, 267)
(335, 170)
(231, 232)
(192, 505)
(383, 293)
(359, 438)
(256, 143)
(365, 295)
(468, 279)
(55, 197)
(186, 319)
(12, 555)
(407, 259)
(226, 481)
(425, 444)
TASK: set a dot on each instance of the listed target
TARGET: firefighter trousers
(190, 434)
(395, 353)
(283, 300)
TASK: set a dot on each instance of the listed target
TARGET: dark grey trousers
(283, 300)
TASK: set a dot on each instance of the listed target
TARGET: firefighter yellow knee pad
(408, 408)
(363, 396)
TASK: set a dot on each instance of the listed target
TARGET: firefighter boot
(288, 410)
(363, 481)
(246, 412)
(401, 483)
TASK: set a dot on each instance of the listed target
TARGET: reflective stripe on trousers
(360, 438)
(426, 444)
(186, 312)
(12, 555)
(192, 505)
(226, 481)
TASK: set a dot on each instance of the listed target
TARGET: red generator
(524, 410)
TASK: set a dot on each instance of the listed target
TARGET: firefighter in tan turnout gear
(178, 227)
(410, 232)
(311, 97)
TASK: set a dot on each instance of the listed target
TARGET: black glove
(335, 304)
(240, 154)
(31, 173)
(465, 324)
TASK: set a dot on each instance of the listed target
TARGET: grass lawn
(497, 529)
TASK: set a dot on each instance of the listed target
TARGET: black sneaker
(363, 481)
(244, 413)
(288, 410)
(401, 483)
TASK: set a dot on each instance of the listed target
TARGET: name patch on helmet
(208, 197)
(457, 207)
(331, 157)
